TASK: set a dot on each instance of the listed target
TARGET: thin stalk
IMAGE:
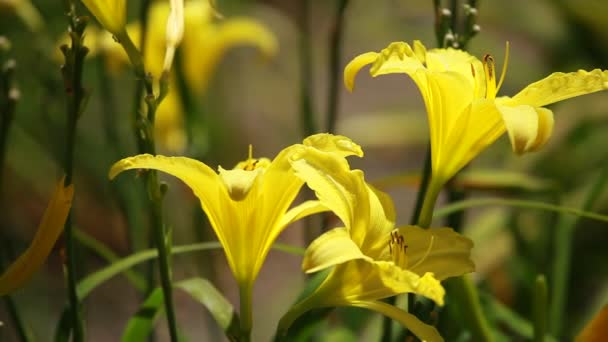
(335, 55)
(430, 198)
(144, 132)
(387, 323)
(304, 47)
(76, 99)
(563, 254)
(11, 308)
(540, 308)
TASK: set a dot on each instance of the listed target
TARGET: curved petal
(561, 86)
(332, 248)
(380, 223)
(522, 126)
(333, 182)
(423, 331)
(300, 211)
(397, 58)
(204, 182)
(338, 144)
(545, 128)
(441, 251)
(353, 67)
(48, 231)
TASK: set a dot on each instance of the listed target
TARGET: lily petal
(441, 251)
(560, 86)
(48, 231)
(338, 144)
(353, 68)
(204, 182)
(545, 128)
(331, 248)
(522, 123)
(302, 210)
(423, 331)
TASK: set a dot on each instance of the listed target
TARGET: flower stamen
(398, 249)
(488, 67)
(504, 67)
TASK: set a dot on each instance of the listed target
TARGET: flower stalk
(335, 55)
(77, 98)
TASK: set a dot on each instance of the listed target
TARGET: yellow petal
(380, 222)
(397, 58)
(522, 123)
(48, 231)
(331, 248)
(561, 86)
(366, 279)
(203, 181)
(423, 331)
(169, 128)
(597, 329)
(238, 182)
(302, 210)
(111, 14)
(441, 251)
(339, 144)
(352, 68)
(333, 182)
(545, 128)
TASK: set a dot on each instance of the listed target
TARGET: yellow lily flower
(464, 115)
(248, 206)
(203, 44)
(51, 226)
(111, 14)
(372, 260)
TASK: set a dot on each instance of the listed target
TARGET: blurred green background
(255, 101)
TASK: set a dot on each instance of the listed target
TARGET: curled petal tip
(353, 67)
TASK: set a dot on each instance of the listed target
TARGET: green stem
(464, 293)
(563, 253)
(9, 303)
(72, 72)
(472, 203)
(304, 47)
(335, 50)
(540, 308)
(430, 198)
(245, 296)
(144, 132)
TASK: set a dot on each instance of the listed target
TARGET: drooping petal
(522, 124)
(331, 248)
(48, 231)
(353, 67)
(204, 182)
(397, 58)
(545, 128)
(441, 251)
(366, 279)
(423, 331)
(560, 86)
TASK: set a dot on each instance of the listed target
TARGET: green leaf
(472, 203)
(220, 308)
(491, 179)
(140, 326)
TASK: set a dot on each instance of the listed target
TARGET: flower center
(398, 249)
(240, 180)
